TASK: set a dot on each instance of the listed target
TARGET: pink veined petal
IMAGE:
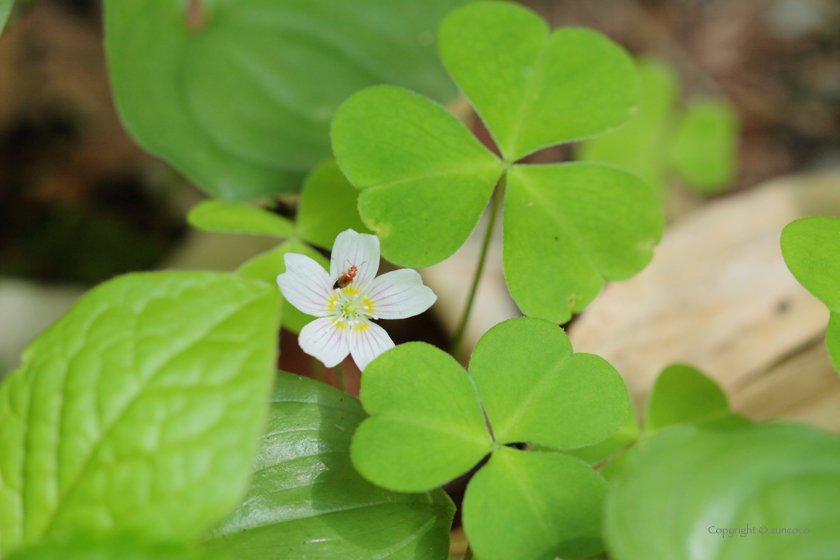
(325, 339)
(355, 249)
(400, 294)
(306, 285)
(367, 341)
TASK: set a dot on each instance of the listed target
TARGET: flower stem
(499, 194)
(339, 378)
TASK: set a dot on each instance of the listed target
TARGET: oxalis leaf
(138, 411)
(238, 94)
(811, 248)
(427, 427)
(425, 179)
(767, 484)
(307, 501)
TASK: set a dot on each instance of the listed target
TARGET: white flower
(349, 298)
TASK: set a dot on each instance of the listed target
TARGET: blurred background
(80, 202)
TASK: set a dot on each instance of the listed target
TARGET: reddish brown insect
(347, 277)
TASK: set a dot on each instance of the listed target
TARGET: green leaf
(534, 506)
(269, 265)
(306, 500)
(534, 89)
(5, 9)
(425, 178)
(328, 206)
(641, 145)
(683, 395)
(426, 424)
(110, 549)
(811, 248)
(139, 410)
(232, 217)
(239, 94)
(628, 433)
(535, 390)
(704, 152)
(568, 228)
(681, 485)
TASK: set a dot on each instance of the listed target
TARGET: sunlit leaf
(328, 205)
(704, 150)
(535, 390)
(238, 94)
(811, 248)
(569, 228)
(307, 501)
(426, 424)
(139, 410)
(609, 448)
(425, 178)
(534, 506)
(111, 549)
(533, 88)
(232, 217)
(683, 395)
(679, 488)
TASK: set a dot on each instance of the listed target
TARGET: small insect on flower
(350, 298)
(347, 277)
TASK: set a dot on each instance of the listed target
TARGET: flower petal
(325, 339)
(355, 249)
(367, 341)
(306, 285)
(400, 294)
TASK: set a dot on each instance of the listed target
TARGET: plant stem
(499, 194)
(339, 378)
(468, 555)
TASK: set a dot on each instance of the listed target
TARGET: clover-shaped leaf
(698, 142)
(683, 395)
(427, 427)
(533, 88)
(425, 179)
(239, 94)
(327, 207)
(811, 248)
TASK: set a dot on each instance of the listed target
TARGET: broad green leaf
(426, 425)
(683, 395)
(534, 506)
(641, 145)
(307, 501)
(811, 248)
(238, 94)
(568, 228)
(139, 410)
(425, 178)
(110, 549)
(328, 206)
(704, 150)
(535, 390)
(5, 10)
(232, 217)
(269, 265)
(533, 88)
(628, 433)
(683, 484)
